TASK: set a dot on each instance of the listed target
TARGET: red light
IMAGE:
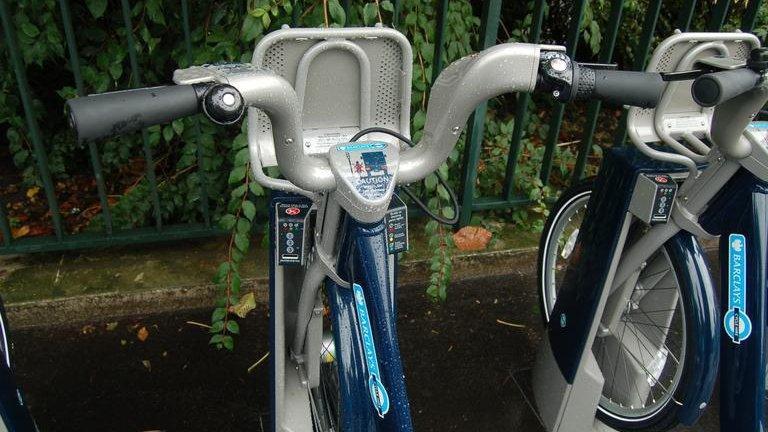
(661, 179)
(292, 211)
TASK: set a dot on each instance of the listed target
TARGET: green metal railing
(491, 16)
(470, 203)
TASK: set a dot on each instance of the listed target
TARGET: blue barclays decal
(379, 395)
(737, 324)
(374, 145)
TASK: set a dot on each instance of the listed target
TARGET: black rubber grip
(717, 87)
(107, 114)
(642, 89)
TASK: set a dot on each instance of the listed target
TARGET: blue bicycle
(330, 109)
(635, 335)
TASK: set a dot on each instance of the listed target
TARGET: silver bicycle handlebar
(455, 94)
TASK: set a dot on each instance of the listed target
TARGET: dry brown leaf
(246, 304)
(87, 329)
(20, 232)
(147, 365)
(31, 192)
(142, 334)
(111, 326)
(472, 238)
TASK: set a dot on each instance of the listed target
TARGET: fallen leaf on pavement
(111, 326)
(31, 192)
(246, 304)
(147, 365)
(87, 329)
(142, 334)
(472, 238)
(20, 232)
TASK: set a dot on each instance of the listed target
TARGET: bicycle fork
(367, 350)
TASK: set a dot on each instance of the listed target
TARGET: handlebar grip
(715, 88)
(107, 114)
(642, 89)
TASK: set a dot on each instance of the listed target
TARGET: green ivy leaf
(155, 11)
(227, 222)
(243, 226)
(241, 241)
(370, 14)
(178, 126)
(256, 189)
(242, 157)
(218, 314)
(168, 133)
(216, 339)
(430, 182)
(238, 192)
(30, 29)
(337, 12)
(387, 6)
(251, 28)
(235, 287)
(228, 342)
(233, 327)
(249, 210)
(96, 7)
(216, 327)
(419, 119)
(237, 174)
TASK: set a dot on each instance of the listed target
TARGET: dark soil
(465, 369)
(458, 361)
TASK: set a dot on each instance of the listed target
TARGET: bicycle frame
(362, 258)
(741, 208)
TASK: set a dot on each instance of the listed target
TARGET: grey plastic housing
(363, 189)
(506, 68)
(345, 79)
(678, 121)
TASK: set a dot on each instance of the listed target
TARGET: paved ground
(466, 371)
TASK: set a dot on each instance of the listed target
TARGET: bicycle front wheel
(326, 398)
(643, 357)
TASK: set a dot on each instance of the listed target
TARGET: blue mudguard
(692, 265)
(739, 214)
(371, 376)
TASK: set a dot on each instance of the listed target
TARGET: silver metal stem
(315, 273)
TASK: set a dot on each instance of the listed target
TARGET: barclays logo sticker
(351, 147)
(736, 322)
(379, 395)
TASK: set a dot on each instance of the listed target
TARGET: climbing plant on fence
(228, 31)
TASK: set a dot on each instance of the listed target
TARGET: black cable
(411, 195)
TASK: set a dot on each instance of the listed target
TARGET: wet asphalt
(467, 365)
